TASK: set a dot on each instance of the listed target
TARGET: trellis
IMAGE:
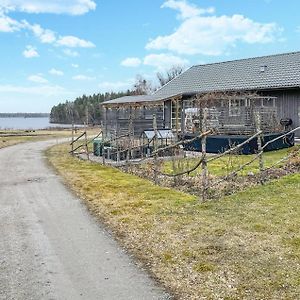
(227, 118)
(210, 110)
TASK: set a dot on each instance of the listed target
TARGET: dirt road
(50, 247)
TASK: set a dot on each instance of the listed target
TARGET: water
(28, 123)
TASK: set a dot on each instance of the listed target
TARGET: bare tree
(171, 73)
(142, 86)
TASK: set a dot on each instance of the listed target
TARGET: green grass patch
(244, 246)
(201, 267)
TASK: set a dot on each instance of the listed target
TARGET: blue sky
(56, 50)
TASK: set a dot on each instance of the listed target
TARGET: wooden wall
(288, 105)
(117, 121)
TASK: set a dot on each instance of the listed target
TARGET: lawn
(245, 246)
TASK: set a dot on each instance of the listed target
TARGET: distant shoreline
(24, 115)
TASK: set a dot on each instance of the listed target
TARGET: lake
(28, 123)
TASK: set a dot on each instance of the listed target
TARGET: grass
(9, 138)
(229, 163)
(246, 246)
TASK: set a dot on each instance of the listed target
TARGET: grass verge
(246, 246)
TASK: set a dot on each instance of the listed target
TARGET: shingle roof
(281, 71)
(133, 99)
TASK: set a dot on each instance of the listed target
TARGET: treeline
(83, 109)
(88, 109)
(24, 115)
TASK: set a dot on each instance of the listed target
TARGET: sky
(57, 50)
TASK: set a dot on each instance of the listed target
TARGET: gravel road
(50, 247)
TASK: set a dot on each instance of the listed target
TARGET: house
(275, 78)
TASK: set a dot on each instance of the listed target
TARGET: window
(148, 113)
(138, 112)
(176, 107)
(123, 113)
(234, 107)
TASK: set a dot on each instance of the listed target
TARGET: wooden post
(106, 120)
(204, 160)
(177, 121)
(117, 146)
(87, 115)
(129, 154)
(155, 148)
(259, 145)
(103, 156)
(86, 146)
(72, 137)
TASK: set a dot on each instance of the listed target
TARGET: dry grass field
(244, 246)
(13, 137)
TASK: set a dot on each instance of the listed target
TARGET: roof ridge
(244, 59)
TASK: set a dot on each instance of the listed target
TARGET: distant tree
(171, 73)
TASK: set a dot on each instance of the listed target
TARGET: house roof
(134, 99)
(259, 73)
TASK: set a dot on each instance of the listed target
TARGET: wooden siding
(288, 105)
(116, 121)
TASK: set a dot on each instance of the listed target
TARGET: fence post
(204, 160)
(86, 146)
(103, 143)
(72, 138)
(129, 149)
(155, 147)
(118, 149)
(259, 146)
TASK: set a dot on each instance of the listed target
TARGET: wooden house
(275, 79)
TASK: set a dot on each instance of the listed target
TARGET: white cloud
(211, 35)
(8, 24)
(131, 62)
(56, 72)
(30, 52)
(46, 36)
(74, 66)
(41, 90)
(37, 78)
(116, 85)
(187, 10)
(71, 7)
(71, 53)
(74, 42)
(83, 78)
(164, 61)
